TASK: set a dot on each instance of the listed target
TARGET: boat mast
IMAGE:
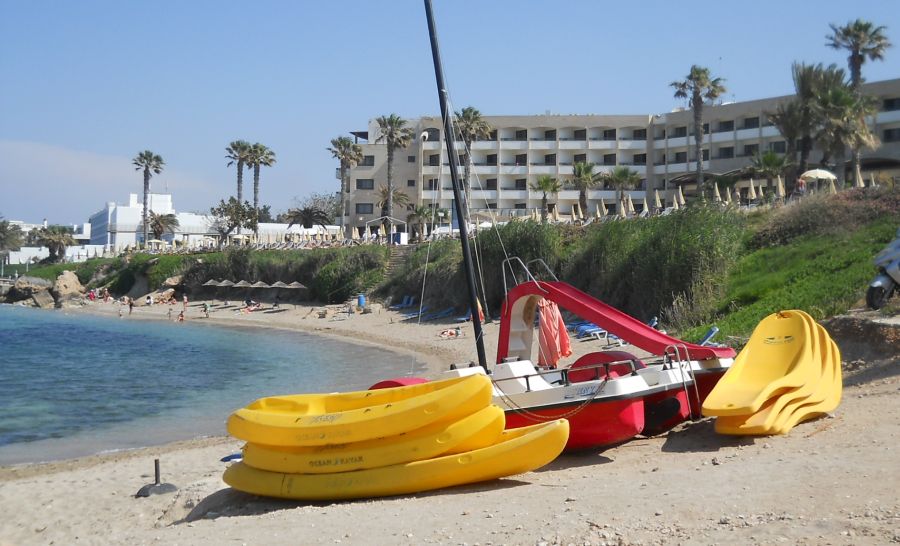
(458, 196)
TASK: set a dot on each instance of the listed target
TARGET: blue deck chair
(415, 314)
(438, 314)
(406, 302)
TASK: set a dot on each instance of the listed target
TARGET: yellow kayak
(777, 358)
(481, 429)
(339, 418)
(518, 450)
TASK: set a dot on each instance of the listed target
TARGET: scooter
(888, 263)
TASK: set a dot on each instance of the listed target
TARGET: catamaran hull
(591, 426)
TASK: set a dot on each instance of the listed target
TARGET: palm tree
(864, 41)
(348, 154)
(420, 217)
(545, 184)
(10, 236)
(237, 153)
(258, 156)
(151, 164)
(620, 179)
(809, 82)
(395, 135)
(842, 114)
(470, 127)
(786, 118)
(699, 87)
(162, 223)
(584, 179)
(386, 196)
(56, 239)
(768, 165)
(307, 217)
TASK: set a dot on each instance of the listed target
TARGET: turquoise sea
(76, 384)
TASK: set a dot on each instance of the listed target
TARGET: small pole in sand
(155, 488)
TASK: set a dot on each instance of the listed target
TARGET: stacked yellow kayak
(789, 372)
(383, 442)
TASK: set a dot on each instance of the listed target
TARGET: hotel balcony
(485, 145)
(513, 169)
(887, 117)
(745, 134)
(484, 195)
(675, 142)
(632, 144)
(542, 144)
(514, 194)
(514, 144)
(726, 136)
(431, 169)
(432, 145)
(770, 131)
(572, 144)
(568, 194)
(543, 169)
(602, 144)
(485, 169)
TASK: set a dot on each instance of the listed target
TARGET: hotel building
(659, 147)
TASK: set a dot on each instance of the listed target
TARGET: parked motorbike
(888, 263)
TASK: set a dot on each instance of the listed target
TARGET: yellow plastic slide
(339, 418)
(777, 358)
(516, 451)
(831, 402)
(481, 429)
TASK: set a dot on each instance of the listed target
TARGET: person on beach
(130, 305)
(184, 299)
(181, 316)
(169, 314)
(149, 300)
(205, 309)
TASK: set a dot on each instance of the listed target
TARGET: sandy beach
(830, 481)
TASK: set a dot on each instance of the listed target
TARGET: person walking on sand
(205, 309)
(130, 305)
(184, 300)
(169, 314)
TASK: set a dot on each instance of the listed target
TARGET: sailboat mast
(458, 195)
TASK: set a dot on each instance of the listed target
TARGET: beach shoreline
(832, 480)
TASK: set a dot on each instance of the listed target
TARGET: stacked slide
(383, 442)
(789, 372)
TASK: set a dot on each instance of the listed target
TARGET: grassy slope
(821, 274)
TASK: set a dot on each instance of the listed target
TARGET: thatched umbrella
(226, 283)
(259, 284)
(242, 284)
(296, 284)
(279, 284)
(211, 282)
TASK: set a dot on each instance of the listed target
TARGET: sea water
(73, 384)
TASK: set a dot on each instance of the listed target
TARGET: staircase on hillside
(399, 254)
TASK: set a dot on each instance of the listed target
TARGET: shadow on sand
(701, 436)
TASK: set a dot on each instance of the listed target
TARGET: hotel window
(609, 134)
(726, 152)
(751, 123)
(364, 208)
(434, 160)
(705, 155)
(492, 206)
(491, 183)
(889, 105)
(520, 206)
(726, 126)
(365, 184)
(778, 147)
(706, 128)
(493, 135)
(680, 157)
(679, 132)
(521, 160)
(492, 160)
(550, 159)
(522, 134)
(550, 135)
(410, 183)
(609, 159)
(432, 184)
(521, 184)
(891, 135)
(367, 161)
(640, 134)
(580, 158)
(580, 134)
(410, 159)
(751, 149)
(640, 159)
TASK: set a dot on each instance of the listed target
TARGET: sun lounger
(406, 302)
(415, 314)
(437, 315)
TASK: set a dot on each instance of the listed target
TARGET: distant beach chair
(406, 302)
(415, 314)
(438, 315)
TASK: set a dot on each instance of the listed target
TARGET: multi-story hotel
(659, 147)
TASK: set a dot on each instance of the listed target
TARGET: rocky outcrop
(173, 282)
(43, 299)
(67, 290)
(860, 337)
(26, 287)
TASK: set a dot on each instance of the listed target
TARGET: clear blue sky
(85, 86)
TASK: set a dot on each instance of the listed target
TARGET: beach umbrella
(226, 283)
(620, 209)
(242, 284)
(556, 213)
(354, 234)
(762, 194)
(629, 203)
(872, 183)
(646, 207)
(727, 196)
(716, 195)
(831, 188)
(675, 204)
(818, 174)
(751, 194)
(296, 284)
(681, 200)
(656, 202)
(259, 284)
(779, 188)
(860, 183)
(211, 282)
(597, 212)
(279, 284)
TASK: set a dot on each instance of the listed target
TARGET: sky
(85, 86)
